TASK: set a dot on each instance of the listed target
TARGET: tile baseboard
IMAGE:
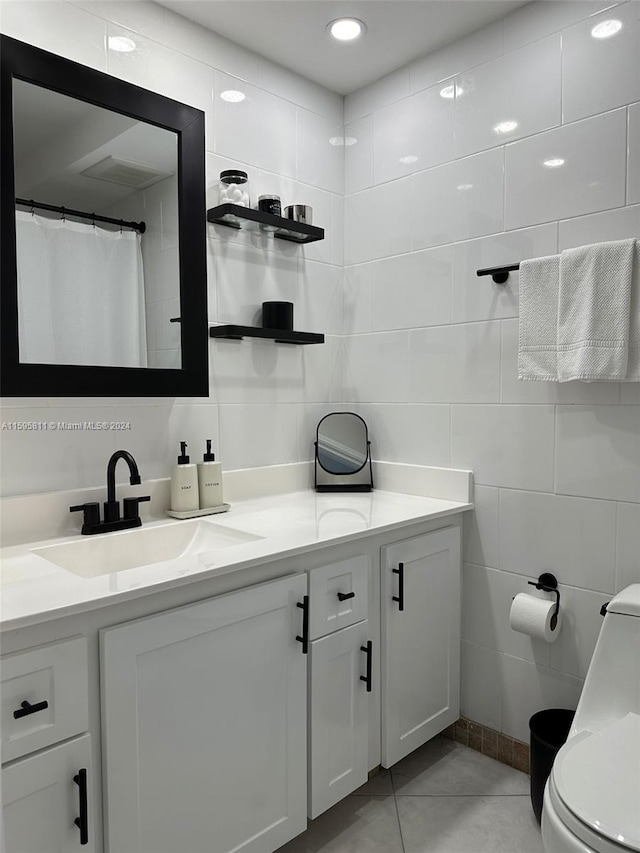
(489, 742)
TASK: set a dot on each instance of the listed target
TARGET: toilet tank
(612, 687)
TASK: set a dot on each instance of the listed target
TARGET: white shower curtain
(80, 293)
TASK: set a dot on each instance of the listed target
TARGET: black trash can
(549, 730)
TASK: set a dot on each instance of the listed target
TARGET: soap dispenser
(184, 483)
(209, 480)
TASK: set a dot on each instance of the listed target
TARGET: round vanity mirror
(342, 443)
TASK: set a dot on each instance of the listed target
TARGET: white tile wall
(416, 434)
(528, 687)
(481, 685)
(633, 167)
(627, 545)
(591, 178)
(491, 94)
(458, 201)
(574, 538)
(455, 364)
(556, 467)
(421, 286)
(598, 452)
(479, 47)
(510, 446)
(599, 74)
(482, 528)
(413, 134)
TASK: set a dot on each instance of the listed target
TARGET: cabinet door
(41, 800)
(204, 725)
(420, 640)
(338, 716)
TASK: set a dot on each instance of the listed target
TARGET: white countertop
(35, 590)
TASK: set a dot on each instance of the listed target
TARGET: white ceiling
(293, 32)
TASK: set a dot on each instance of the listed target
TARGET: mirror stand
(342, 460)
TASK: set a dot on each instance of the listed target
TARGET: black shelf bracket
(233, 216)
(498, 274)
(280, 336)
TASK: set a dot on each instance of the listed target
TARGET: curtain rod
(93, 217)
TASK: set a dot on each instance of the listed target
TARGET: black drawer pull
(400, 596)
(82, 822)
(368, 650)
(343, 596)
(27, 708)
(304, 639)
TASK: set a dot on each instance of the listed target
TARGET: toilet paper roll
(534, 616)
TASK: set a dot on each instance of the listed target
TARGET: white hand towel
(538, 331)
(633, 365)
(594, 311)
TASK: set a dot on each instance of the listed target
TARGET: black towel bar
(499, 274)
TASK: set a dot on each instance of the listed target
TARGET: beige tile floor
(444, 798)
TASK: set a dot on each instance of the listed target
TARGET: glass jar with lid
(233, 188)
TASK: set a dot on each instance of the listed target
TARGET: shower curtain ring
(32, 202)
(121, 224)
(93, 219)
(62, 211)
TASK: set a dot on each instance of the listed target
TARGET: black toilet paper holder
(549, 583)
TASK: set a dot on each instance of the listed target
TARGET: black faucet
(112, 520)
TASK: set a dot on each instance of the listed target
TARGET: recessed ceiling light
(343, 140)
(606, 29)
(121, 44)
(232, 96)
(450, 91)
(346, 29)
(409, 158)
(553, 162)
(505, 126)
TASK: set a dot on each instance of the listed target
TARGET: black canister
(277, 315)
(270, 204)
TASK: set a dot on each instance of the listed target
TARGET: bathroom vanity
(219, 699)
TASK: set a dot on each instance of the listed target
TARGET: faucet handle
(91, 513)
(131, 509)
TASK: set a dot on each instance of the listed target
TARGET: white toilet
(592, 798)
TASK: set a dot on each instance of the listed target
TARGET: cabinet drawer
(47, 688)
(328, 585)
(42, 797)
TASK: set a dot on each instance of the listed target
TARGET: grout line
(477, 796)
(395, 803)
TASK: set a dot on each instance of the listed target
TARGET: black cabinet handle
(400, 596)
(27, 708)
(368, 650)
(82, 822)
(343, 596)
(304, 639)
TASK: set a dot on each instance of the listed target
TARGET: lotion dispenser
(209, 480)
(184, 483)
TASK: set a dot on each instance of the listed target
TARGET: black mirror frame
(22, 61)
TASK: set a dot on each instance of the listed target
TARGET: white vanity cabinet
(46, 792)
(204, 725)
(420, 589)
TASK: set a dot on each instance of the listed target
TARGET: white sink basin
(106, 553)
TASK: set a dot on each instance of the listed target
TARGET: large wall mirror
(103, 234)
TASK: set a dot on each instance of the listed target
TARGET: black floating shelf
(284, 229)
(280, 336)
